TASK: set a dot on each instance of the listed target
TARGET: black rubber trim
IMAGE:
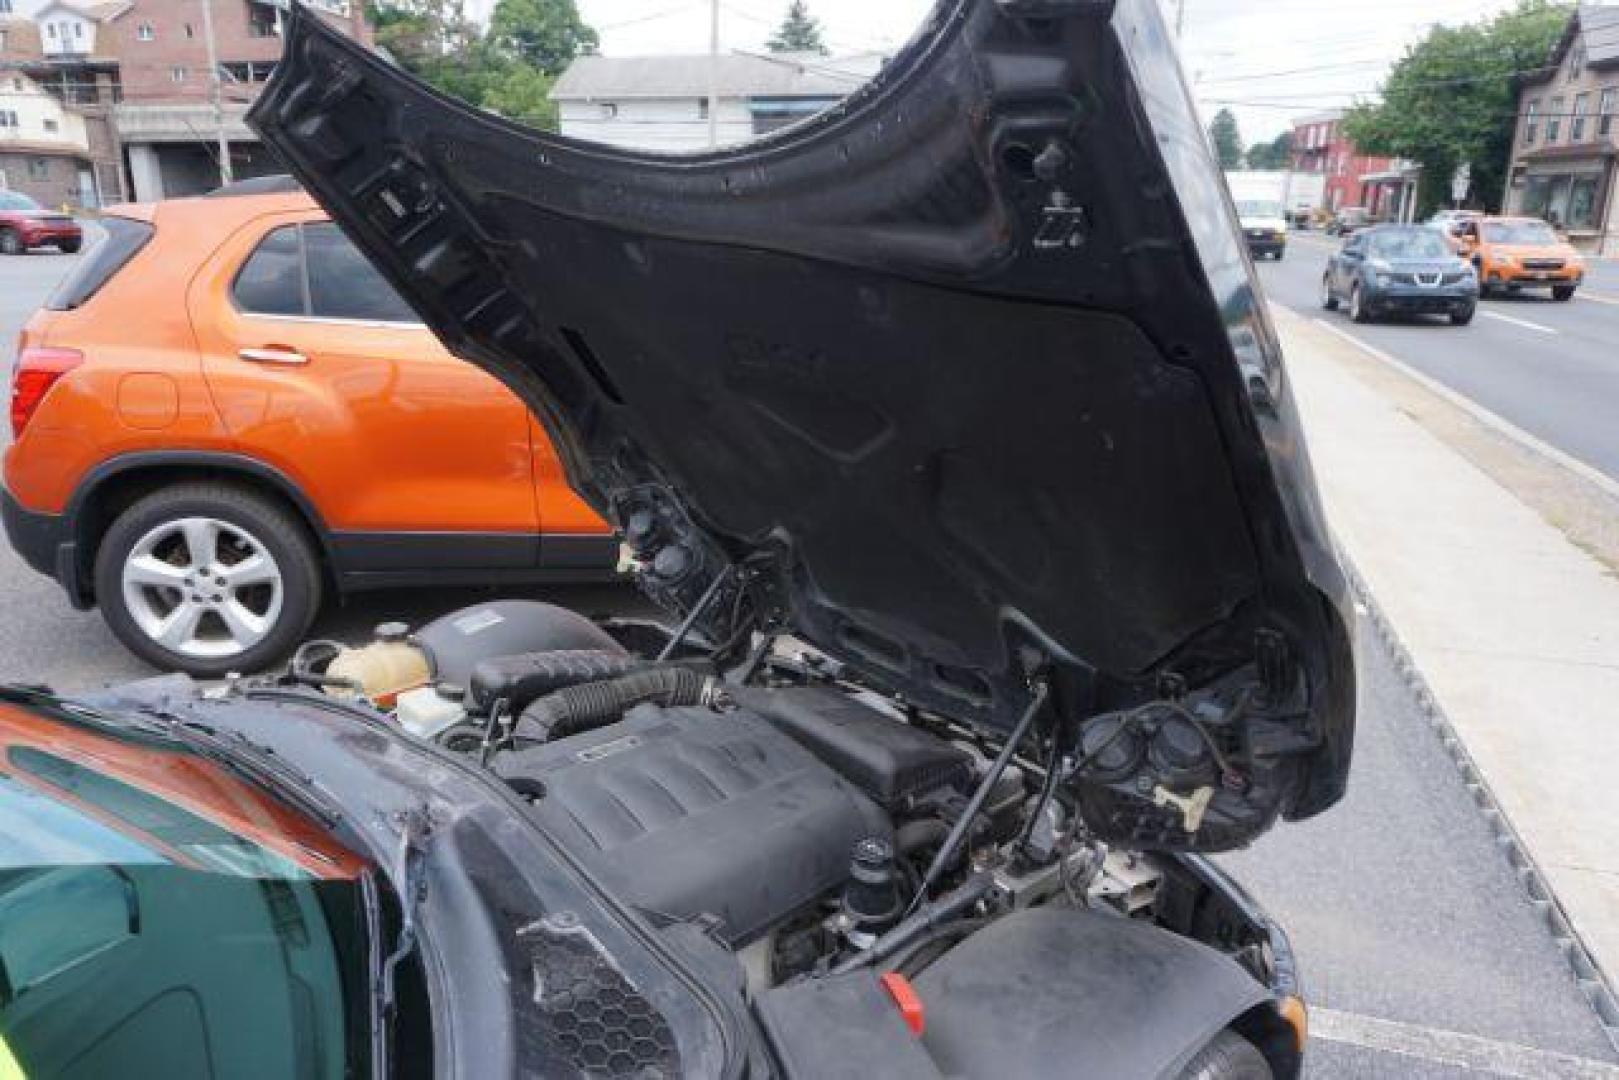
(383, 560)
(593, 551)
(33, 535)
(437, 551)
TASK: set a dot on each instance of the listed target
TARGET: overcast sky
(1246, 52)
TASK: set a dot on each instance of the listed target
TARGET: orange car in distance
(224, 414)
(1518, 253)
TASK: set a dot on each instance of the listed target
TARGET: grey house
(661, 102)
(1563, 156)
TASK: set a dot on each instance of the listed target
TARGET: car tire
(1563, 293)
(1228, 1057)
(1328, 300)
(1464, 316)
(11, 242)
(1357, 305)
(70, 247)
(260, 592)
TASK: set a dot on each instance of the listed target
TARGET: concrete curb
(1596, 984)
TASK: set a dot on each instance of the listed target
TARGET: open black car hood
(968, 375)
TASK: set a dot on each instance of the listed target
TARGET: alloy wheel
(202, 587)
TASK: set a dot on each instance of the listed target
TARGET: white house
(44, 146)
(661, 102)
(65, 30)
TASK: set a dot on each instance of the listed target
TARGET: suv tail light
(38, 368)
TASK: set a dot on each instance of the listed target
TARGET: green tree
(1276, 154)
(508, 69)
(545, 34)
(1452, 100)
(1227, 139)
(523, 93)
(799, 32)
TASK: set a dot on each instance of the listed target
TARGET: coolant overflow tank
(384, 668)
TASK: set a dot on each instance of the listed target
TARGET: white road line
(1598, 299)
(1469, 1052)
(1525, 323)
(1480, 413)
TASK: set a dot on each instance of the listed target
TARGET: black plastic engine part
(588, 706)
(889, 760)
(843, 1028)
(520, 679)
(1011, 1001)
(689, 812)
(872, 897)
(456, 642)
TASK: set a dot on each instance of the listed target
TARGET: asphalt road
(1417, 944)
(1550, 369)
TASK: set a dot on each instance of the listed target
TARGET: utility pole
(713, 74)
(217, 91)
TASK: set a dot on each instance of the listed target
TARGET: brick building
(1320, 146)
(137, 70)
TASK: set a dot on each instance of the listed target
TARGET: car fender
(1050, 990)
(95, 481)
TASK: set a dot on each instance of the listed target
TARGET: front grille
(1455, 279)
(1543, 264)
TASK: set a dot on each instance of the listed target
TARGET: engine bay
(815, 827)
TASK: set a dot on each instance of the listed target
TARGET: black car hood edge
(967, 374)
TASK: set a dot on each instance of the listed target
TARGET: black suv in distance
(949, 429)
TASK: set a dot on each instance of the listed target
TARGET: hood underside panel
(969, 368)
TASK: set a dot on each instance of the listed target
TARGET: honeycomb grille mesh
(587, 1013)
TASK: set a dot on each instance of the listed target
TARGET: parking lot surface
(1416, 941)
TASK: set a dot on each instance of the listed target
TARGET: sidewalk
(1513, 628)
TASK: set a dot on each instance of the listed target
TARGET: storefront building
(1567, 142)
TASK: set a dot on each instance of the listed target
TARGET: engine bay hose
(588, 706)
(527, 677)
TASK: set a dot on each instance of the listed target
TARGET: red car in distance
(25, 224)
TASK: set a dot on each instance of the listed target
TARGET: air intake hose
(527, 677)
(592, 705)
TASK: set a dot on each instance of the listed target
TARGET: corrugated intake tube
(593, 705)
(526, 677)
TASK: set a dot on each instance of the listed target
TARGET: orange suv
(1516, 253)
(225, 413)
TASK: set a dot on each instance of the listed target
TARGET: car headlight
(1382, 266)
(1506, 260)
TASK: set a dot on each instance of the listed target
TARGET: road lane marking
(1598, 299)
(1471, 1052)
(1478, 412)
(1525, 323)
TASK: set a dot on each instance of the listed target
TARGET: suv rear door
(412, 457)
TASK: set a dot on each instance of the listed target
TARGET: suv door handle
(274, 354)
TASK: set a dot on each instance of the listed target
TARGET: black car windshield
(1408, 244)
(1519, 232)
(18, 203)
(184, 920)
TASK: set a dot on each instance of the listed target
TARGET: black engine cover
(689, 812)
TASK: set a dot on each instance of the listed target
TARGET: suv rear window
(313, 271)
(124, 239)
